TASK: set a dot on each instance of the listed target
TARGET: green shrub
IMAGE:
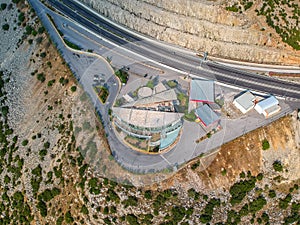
(283, 203)
(239, 190)
(84, 210)
(122, 75)
(257, 204)
(73, 88)
(68, 217)
(148, 194)
(233, 8)
(72, 45)
(21, 17)
(130, 201)
(43, 54)
(265, 144)
(43, 152)
(50, 83)
(41, 77)
(5, 27)
(259, 176)
(47, 145)
(24, 142)
(272, 194)
(132, 219)
(41, 30)
(277, 166)
(3, 6)
(43, 208)
(224, 172)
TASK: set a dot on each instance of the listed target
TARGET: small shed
(244, 102)
(202, 91)
(206, 115)
(268, 106)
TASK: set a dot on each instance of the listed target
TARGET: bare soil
(242, 155)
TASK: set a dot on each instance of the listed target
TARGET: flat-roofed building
(206, 115)
(245, 102)
(146, 123)
(268, 106)
(159, 88)
(165, 96)
(202, 91)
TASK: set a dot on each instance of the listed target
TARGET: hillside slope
(237, 29)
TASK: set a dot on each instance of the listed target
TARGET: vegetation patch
(122, 75)
(102, 93)
(71, 44)
(265, 144)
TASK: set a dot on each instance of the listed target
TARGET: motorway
(132, 160)
(176, 59)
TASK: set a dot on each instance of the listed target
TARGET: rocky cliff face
(201, 26)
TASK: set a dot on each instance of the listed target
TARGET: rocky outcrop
(201, 26)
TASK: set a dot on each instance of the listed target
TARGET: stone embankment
(202, 26)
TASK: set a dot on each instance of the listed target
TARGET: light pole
(204, 58)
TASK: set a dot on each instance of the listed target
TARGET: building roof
(159, 88)
(145, 92)
(169, 138)
(245, 100)
(273, 109)
(206, 115)
(267, 103)
(202, 91)
(169, 95)
(146, 118)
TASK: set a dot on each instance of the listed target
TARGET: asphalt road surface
(128, 158)
(178, 60)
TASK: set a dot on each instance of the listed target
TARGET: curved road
(138, 162)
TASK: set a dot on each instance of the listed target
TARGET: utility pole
(204, 58)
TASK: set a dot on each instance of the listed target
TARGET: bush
(84, 210)
(239, 190)
(43, 54)
(68, 217)
(224, 172)
(72, 45)
(3, 6)
(148, 194)
(131, 201)
(41, 30)
(257, 204)
(277, 166)
(132, 219)
(284, 203)
(73, 88)
(21, 17)
(5, 27)
(28, 29)
(259, 176)
(47, 145)
(43, 208)
(24, 142)
(50, 83)
(272, 194)
(41, 77)
(43, 152)
(122, 75)
(265, 144)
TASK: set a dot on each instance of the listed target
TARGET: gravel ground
(14, 58)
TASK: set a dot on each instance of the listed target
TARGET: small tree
(25, 142)
(5, 27)
(73, 88)
(265, 144)
(277, 166)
